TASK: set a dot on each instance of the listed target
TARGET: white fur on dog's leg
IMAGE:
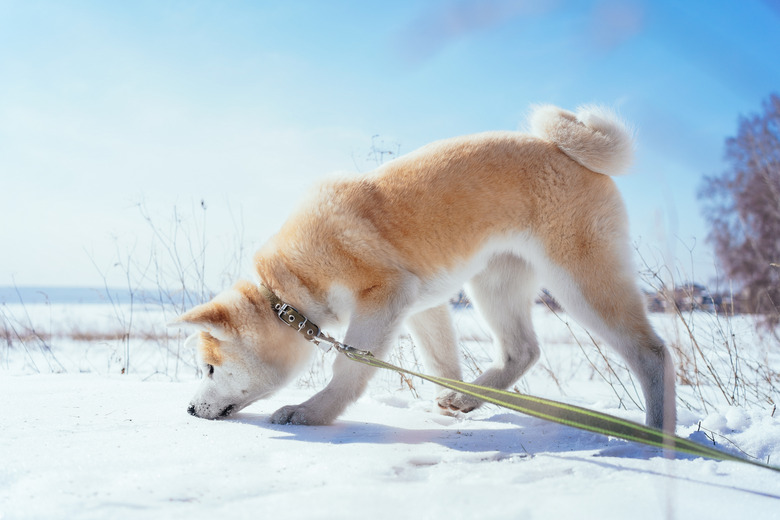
(433, 332)
(349, 377)
(504, 295)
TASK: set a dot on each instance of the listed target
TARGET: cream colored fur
(594, 137)
(502, 212)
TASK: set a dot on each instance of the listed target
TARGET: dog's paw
(455, 401)
(290, 414)
(299, 414)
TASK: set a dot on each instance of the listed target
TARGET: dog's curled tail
(594, 137)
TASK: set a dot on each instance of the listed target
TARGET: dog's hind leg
(503, 293)
(602, 295)
(433, 333)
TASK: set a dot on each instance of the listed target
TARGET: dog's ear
(192, 340)
(211, 317)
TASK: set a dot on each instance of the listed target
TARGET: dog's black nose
(191, 410)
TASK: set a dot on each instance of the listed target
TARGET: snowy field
(94, 425)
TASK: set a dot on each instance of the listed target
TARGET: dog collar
(294, 318)
(290, 315)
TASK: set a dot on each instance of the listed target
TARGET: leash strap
(569, 415)
(547, 409)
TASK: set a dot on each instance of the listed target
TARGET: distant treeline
(78, 295)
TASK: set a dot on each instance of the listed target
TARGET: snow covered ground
(80, 440)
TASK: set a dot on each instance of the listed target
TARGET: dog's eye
(210, 370)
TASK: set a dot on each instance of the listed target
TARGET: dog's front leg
(350, 378)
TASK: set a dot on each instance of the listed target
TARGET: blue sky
(108, 105)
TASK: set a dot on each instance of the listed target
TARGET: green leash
(561, 413)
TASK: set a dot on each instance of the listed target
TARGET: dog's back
(437, 207)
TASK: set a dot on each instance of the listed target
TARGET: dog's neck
(280, 285)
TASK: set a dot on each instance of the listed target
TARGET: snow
(88, 442)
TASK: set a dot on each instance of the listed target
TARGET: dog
(502, 212)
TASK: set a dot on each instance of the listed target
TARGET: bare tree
(742, 205)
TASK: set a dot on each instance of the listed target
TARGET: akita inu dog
(502, 212)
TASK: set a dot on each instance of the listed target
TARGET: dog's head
(244, 351)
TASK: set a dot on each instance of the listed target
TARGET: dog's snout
(191, 410)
